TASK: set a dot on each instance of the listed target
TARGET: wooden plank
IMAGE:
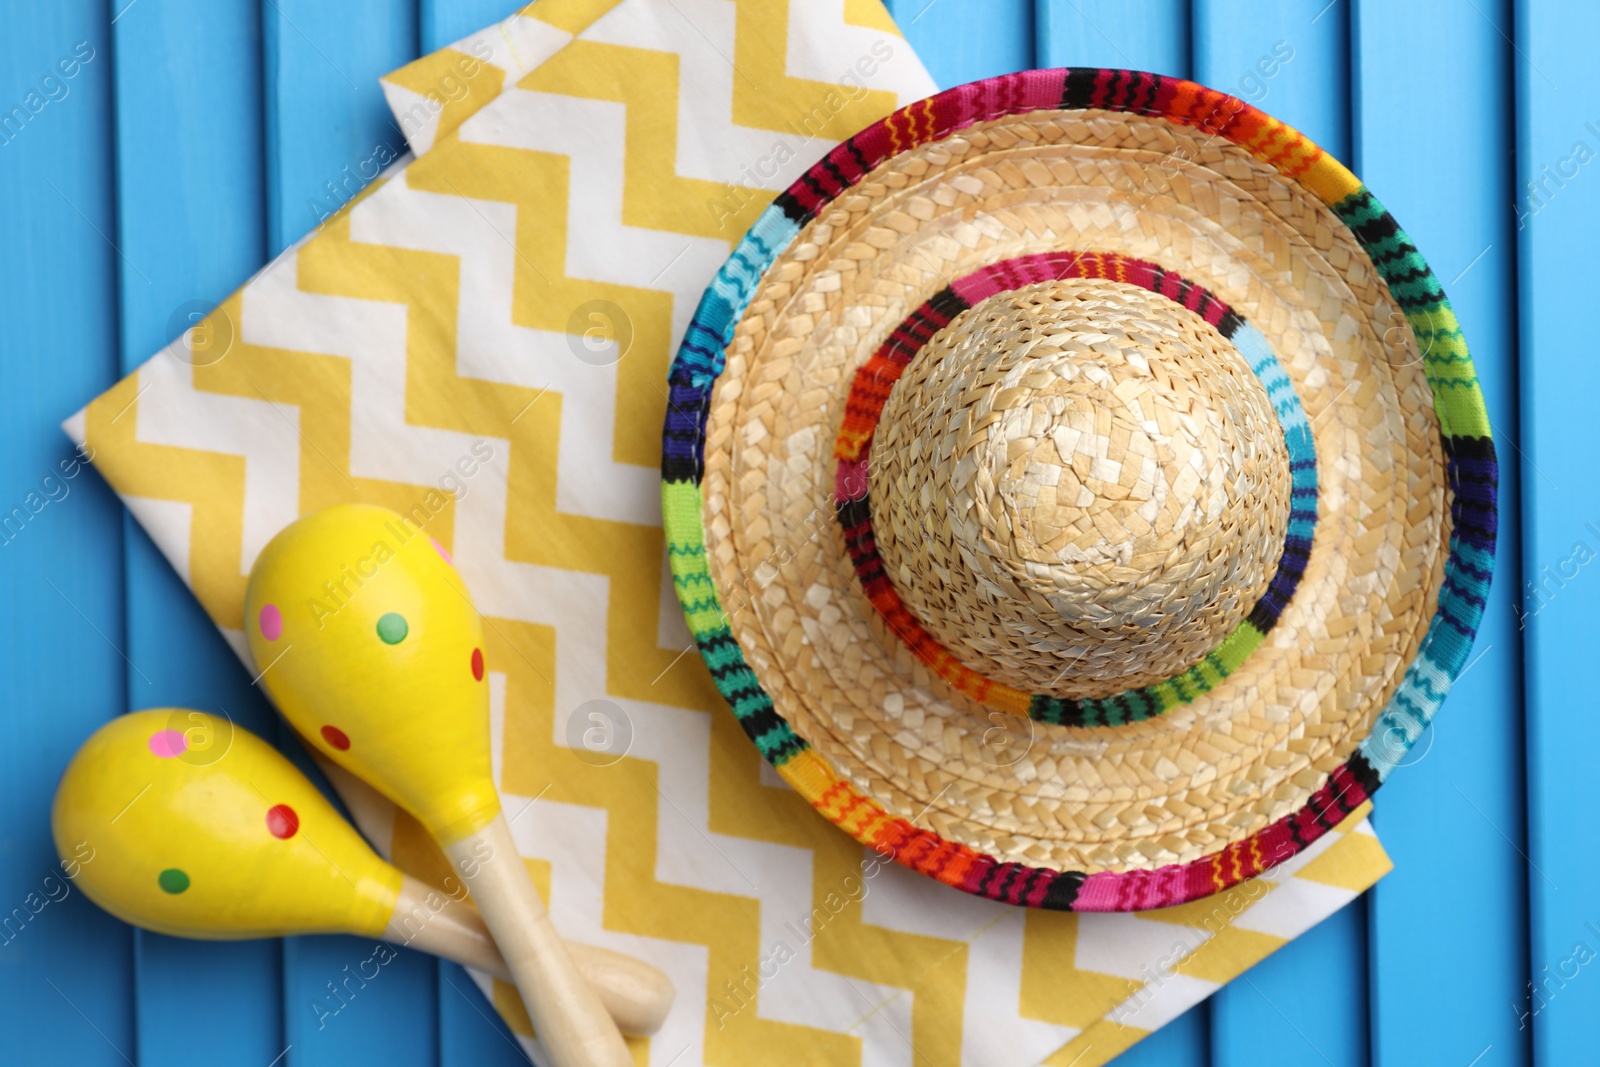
(189, 202)
(1152, 35)
(471, 1033)
(325, 116)
(1557, 196)
(963, 40)
(1181, 1043)
(443, 22)
(65, 966)
(1290, 58)
(325, 113)
(1449, 954)
(1307, 1001)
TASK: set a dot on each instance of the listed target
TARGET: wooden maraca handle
(636, 995)
(568, 1017)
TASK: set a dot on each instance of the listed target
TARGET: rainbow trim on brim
(1465, 437)
(870, 389)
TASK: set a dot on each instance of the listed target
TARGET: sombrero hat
(1078, 485)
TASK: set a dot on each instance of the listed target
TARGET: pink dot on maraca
(282, 821)
(437, 547)
(271, 622)
(335, 737)
(168, 743)
(477, 664)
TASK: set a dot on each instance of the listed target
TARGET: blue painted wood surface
(201, 138)
(66, 968)
(1557, 203)
(1154, 35)
(192, 222)
(1452, 192)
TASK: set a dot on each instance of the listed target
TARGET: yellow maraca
(197, 828)
(369, 645)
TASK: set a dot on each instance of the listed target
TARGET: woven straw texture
(1080, 487)
(897, 742)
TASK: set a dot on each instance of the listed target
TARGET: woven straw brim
(1233, 779)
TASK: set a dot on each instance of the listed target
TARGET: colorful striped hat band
(1079, 487)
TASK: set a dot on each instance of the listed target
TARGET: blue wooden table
(167, 148)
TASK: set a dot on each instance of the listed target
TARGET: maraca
(369, 645)
(198, 828)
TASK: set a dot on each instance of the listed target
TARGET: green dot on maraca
(173, 880)
(392, 629)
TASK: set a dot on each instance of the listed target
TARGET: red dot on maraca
(282, 822)
(477, 664)
(336, 738)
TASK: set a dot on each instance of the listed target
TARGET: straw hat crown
(1080, 487)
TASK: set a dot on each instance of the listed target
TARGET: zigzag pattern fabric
(1464, 427)
(481, 342)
